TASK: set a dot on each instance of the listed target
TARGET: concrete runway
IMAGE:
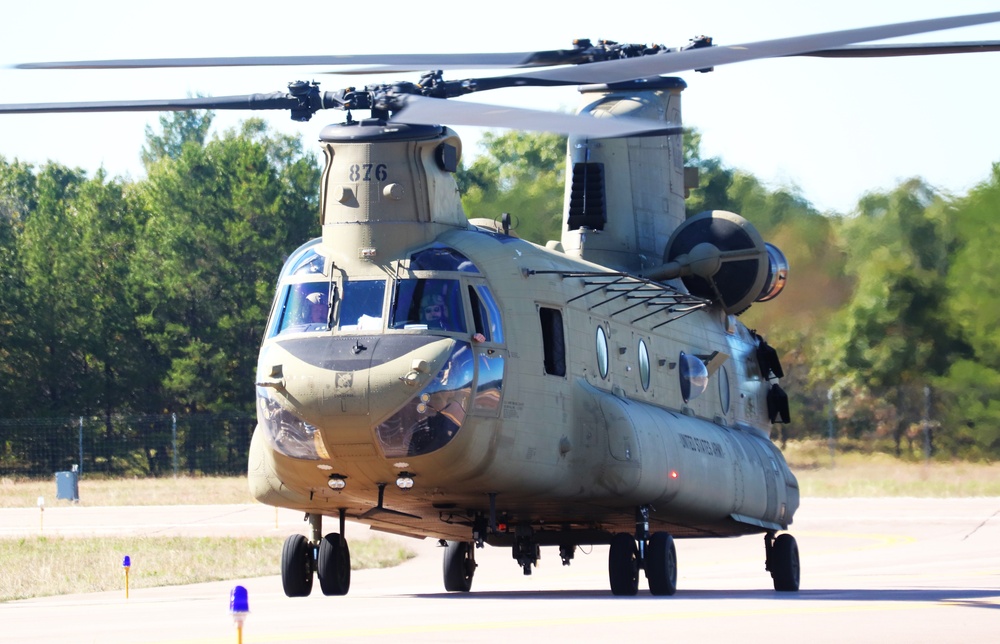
(874, 570)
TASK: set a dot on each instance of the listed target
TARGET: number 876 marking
(363, 172)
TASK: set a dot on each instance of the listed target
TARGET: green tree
(17, 200)
(972, 416)
(521, 173)
(177, 129)
(50, 356)
(714, 178)
(223, 217)
(893, 337)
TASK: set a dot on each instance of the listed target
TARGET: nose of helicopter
(343, 386)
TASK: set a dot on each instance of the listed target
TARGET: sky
(832, 129)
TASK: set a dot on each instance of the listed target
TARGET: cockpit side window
(486, 313)
(428, 304)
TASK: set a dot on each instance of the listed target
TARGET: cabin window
(360, 308)
(602, 352)
(428, 304)
(485, 313)
(724, 389)
(643, 365)
(553, 341)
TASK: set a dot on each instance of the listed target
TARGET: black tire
(296, 566)
(333, 565)
(459, 566)
(623, 565)
(661, 564)
(784, 564)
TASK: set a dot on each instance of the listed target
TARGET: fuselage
(568, 393)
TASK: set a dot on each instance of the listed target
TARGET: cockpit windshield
(311, 300)
(361, 307)
(428, 304)
(304, 307)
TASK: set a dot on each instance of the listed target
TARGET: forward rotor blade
(432, 111)
(388, 62)
(703, 58)
(906, 49)
(275, 101)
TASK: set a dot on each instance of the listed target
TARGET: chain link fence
(124, 445)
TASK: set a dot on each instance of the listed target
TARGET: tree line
(123, 297)
(127, 297)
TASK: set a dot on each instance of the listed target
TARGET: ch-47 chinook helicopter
(438, 377)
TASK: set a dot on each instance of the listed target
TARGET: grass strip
(43, 566)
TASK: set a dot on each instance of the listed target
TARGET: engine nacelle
(720, 256)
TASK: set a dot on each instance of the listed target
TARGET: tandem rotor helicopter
(437, 377)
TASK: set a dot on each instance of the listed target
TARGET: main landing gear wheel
(459, 566)
(333, 565)
(623, 565)
(661, 564)
(783, 562)
(296, 566)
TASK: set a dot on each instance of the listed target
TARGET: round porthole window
(602, 352)
(724, 389)
(643, 365)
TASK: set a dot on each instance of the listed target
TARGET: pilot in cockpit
(318, 311)
(434, 311)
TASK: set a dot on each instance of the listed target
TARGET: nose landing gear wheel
(623, 565)
(661, 564)
(296, 566)
(459, 566)
(333, 565)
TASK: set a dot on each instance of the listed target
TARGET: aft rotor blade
(706, 57)
(906, 49)
(275, 101)
(431, 111)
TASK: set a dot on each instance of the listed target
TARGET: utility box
(68, 485)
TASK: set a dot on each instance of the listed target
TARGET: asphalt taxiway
(914, 570)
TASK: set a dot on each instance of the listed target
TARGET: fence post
(81, 446)
(173, 430)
